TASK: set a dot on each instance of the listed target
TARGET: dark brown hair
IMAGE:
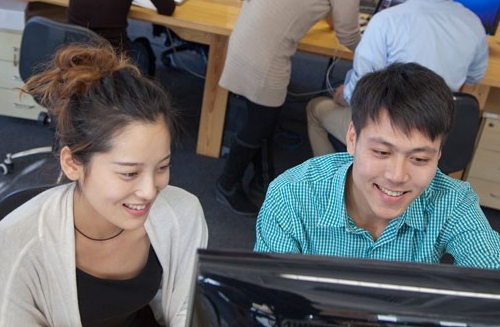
(93, 93)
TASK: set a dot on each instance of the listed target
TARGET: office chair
(175, 44)
(16, 198)
(41, 38)
(459, 147)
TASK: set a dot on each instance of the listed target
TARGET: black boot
(229, 190)
(264, 171)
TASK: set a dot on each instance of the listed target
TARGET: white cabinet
(13, 15)
(12, 102)
(484, 171)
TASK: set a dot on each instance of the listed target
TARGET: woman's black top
(108, 302)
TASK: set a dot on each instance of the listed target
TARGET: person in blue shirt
(441, 35)
(385, 198)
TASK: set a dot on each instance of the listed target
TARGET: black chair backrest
(16, 198)
(459, 147)
(41, 38)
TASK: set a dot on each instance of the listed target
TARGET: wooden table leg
(213, 109)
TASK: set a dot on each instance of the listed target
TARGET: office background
(190, 171)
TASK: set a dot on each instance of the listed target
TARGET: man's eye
(129, 175)
(421, 160)
(381, 153)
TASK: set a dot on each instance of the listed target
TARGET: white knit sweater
(37, 269)
(266, 35)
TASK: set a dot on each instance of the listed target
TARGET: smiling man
(385, 198)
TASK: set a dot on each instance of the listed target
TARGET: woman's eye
(165, 167)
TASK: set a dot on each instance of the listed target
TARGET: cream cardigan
(37, 255)
(266, 34)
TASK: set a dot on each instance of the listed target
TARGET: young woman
(116, 246)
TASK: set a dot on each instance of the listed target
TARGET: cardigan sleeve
(346, 22)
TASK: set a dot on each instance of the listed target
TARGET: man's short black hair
(415, 98)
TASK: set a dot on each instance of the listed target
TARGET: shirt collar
(335, 213)
(415, 216)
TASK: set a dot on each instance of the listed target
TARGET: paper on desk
(144, 3)
(148, 4)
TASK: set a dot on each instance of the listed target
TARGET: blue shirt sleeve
(370, 55)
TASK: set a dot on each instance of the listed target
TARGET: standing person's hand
(329, 19)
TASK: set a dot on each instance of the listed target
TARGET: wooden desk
(211, 22)
(492, 77)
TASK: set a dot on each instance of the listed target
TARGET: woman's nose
(147, 188)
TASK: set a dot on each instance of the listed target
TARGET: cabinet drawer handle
(23, 106)
(494, 196)
(15, 61)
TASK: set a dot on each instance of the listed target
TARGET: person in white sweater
(258, 67)
(115, 246)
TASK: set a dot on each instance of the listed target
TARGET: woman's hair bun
(74, 70)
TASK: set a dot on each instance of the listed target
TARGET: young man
(385, 198)
(441, 35)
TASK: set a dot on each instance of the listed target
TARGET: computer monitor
(488, 11)
(235, 288)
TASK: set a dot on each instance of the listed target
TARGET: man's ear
(69, 166)
(350, 138)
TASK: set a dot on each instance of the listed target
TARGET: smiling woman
(113, 239)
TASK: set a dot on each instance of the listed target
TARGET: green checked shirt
(304, 212)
